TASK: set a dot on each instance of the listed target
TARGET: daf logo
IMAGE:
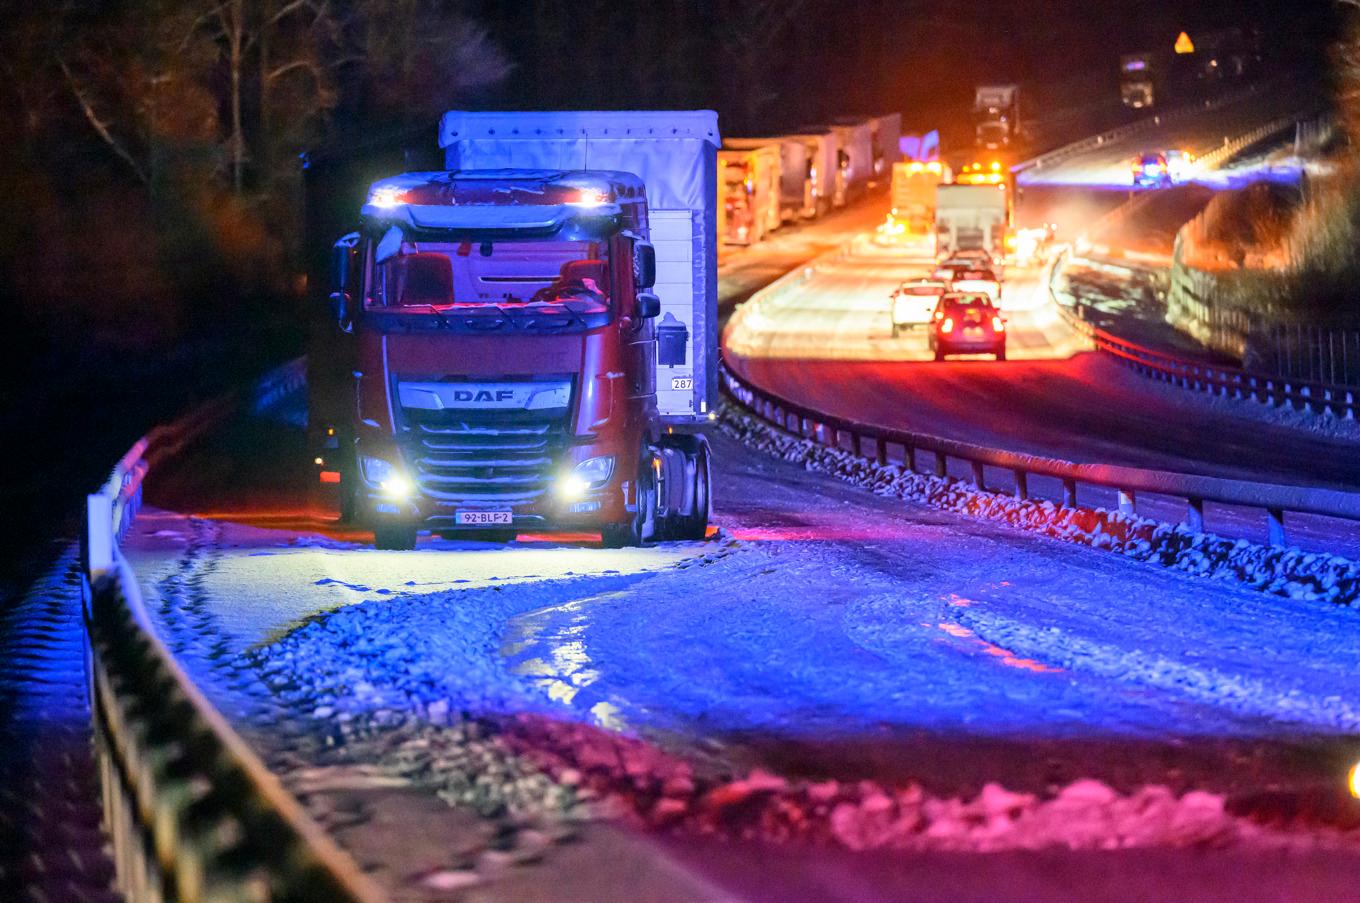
(536, 395)
(484, 395)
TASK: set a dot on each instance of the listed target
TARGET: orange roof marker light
(1184, 45)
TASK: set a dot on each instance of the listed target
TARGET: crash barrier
(193, 814)
(1270, 343)
(1076, 148)
(1218, 379)
(877, 443)
(1233, 146)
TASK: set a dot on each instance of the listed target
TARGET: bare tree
(419, 58)
(748, 33)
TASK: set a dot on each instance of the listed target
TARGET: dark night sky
(921, 58)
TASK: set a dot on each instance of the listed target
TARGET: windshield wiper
(444, 321)
(525, 317)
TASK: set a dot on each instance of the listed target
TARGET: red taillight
(330, 476)
(998, 324)
(947, 325)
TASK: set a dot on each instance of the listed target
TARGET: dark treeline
(151, 159)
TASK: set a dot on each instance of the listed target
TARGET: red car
(967, 324)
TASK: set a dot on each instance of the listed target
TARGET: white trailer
(971, 217)
(857, 141)
(887, 140)
(675, 153)
(797, 190)
(748, 192)
(821, 146)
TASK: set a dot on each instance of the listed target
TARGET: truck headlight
(592, 473)
(390, 481)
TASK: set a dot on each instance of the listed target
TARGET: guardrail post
(940, 464)
(881, 451)
(1194, 515)
(1127, 500)
(99, 545)
(856, 446)
(1275, 526)
(979, 477)
(909, 456)
(1021, 485)
(1069, 494)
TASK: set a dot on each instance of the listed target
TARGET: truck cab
(507, 337)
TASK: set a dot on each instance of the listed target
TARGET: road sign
(1184, 44)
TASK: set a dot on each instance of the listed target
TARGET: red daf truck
(526, 340)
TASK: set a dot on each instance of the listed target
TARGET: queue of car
(958, 305)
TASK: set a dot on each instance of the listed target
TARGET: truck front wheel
(394, 537)
(632, 531)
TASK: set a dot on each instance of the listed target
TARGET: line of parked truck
(767, 182)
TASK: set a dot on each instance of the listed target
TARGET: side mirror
(644, 264)
(648, 305)
(342, 305)
(342, 308)
(341, 254)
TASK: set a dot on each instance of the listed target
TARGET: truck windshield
(570, 277)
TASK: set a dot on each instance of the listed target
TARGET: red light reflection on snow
(1008, 658)
(820, 532)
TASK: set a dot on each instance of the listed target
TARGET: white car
(913, 302)
(1180, 165)
(975, 258)
(977, 282)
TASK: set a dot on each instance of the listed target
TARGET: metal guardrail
(1220, 379)
(1058, 155)
(1220, 155)
(876, 442)
(193, 813)
(1228, 381)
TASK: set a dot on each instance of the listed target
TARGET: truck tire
(693, 527)
(349, 497)
(631, 531)
(394, 537)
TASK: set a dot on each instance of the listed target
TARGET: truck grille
(485, 458)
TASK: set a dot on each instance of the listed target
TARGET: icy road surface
(258, 582)
(845, 614)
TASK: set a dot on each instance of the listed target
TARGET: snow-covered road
(829, 635)
(842, 312)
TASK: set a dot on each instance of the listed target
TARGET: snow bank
(1285, 572)
(630, 779)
